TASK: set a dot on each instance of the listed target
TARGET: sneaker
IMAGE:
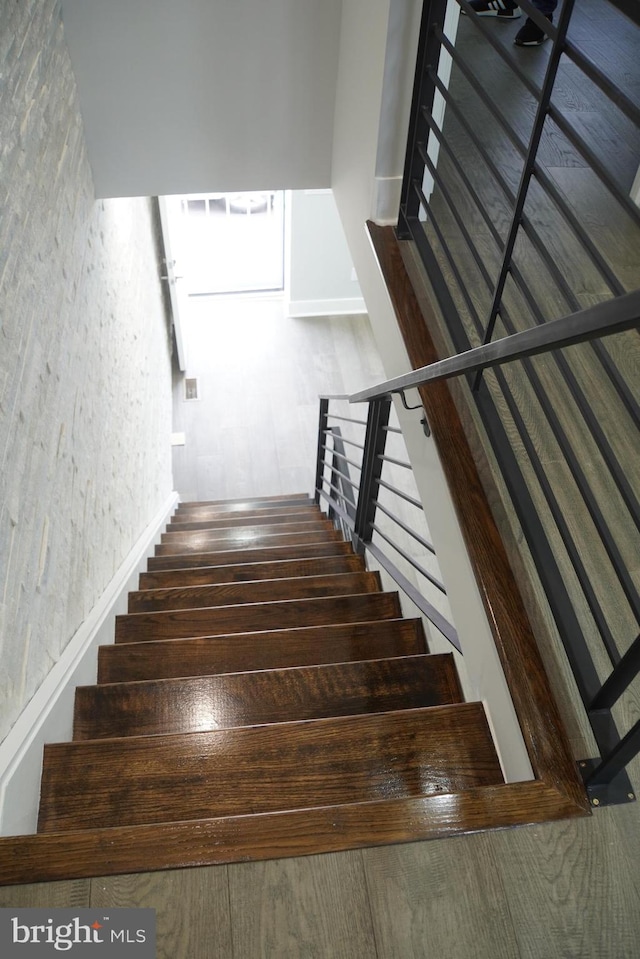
(503, 9)
(531, 35)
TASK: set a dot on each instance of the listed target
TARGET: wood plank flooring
(563, 890)
(273, 406)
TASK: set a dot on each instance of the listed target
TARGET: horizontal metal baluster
(600, 79)
(595, 164)
(335, 506)
(343, 457)
(410, 559)
(433, 615)
(403, 495)
(418, 538)
(391, 459)
(345, 476)
(347, 419)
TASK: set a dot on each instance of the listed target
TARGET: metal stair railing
(477, 229)
(366, 507)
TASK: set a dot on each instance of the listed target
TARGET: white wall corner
(486, 680)
(48, 717)
(386, 200)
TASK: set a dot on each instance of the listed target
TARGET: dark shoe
(530, 35)
(502, 9)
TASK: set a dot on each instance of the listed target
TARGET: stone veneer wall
(85, 370)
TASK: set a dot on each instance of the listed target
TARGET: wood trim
(542, 727)
(128, 849)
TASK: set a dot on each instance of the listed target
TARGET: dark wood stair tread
(261, 554)
(259, 769)
(271, 649)
(84, 853)
(238, 539)
(186, 521)
(204, 703)
(259, 591)
(183, 623)
(250, 572)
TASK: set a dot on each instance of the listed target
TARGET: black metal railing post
(341, 481)
(374, 444)
(354, 506)
(322, 432)
(433, 14)
(620, 679)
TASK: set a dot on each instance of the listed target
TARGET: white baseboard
(48, 717)
(342, 307)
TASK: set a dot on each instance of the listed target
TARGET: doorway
(233, 242)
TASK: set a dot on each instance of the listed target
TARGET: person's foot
(530, 35)
(502, 9)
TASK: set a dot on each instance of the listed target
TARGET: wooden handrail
(603, 319)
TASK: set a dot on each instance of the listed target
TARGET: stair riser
(212, 512)
(243, 533)
(267, 768)
(268, 696)
(302, 646)
(257, 502)
(141, 627)
(206, 542)
(253, 592)
(251, 572)
(228, 557)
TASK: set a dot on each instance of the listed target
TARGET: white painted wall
(363, 102)
(166, 86)
(85, 382)
(397, 87)
(321, 279)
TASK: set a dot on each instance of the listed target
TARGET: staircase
(261, 669)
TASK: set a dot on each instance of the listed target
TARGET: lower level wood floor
(562, 890)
